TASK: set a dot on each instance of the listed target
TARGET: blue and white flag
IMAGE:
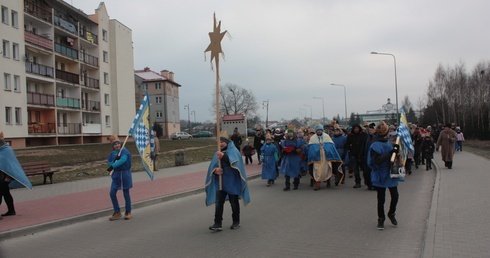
(405, 136)
(141, 132)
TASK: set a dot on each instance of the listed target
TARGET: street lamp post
(265, 104)
(304, 109)
(323, 107)
(188, 117)
(193, 112)
(311, 111)
(396, 84)
(345, 100)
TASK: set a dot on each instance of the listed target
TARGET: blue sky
(288, 51)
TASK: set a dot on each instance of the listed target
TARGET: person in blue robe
(339, 141)
(291, 161)
(11, 175)
(323, 158)
(269, 157)
(119, 162)
(226, 178)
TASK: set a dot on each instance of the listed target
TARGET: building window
(8, 115)
(158, 100)
(159, 114)
(15, 51)
(6, 48)
(158, 86)
(105, 56)
(106, 78)
(144, 86)
(5, 15)
(18, 116)
(16, 83)
(6, 82)
(107, 100)
(15, 19)
(107, 121)
(104, 35)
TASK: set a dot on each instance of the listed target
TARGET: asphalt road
(335, 222)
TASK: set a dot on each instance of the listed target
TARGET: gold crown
(112, 138)
(224, 134)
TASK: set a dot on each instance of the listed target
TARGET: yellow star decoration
(215, 46)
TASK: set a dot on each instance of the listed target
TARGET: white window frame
(107, 100)
(106, 78)
(8, 115)
(6, 82)
(15, 19)
(15, 51)
(158, 86)
(18, 116)
(144, 86)
(158, 100)
(6, 48)
(108, 121)
(5, 15)
(159, 114)
(105, 56)
(104, 35)
(17, 83)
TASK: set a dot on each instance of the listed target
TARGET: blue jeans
(115, 203)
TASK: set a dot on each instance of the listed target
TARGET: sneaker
(287, 188)
(115, 216)
(127, 215)
(216, 227)
(393, 219)
(381, 225)
(357, 186)
(235, 225)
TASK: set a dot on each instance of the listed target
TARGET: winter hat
(382, 128)
(318, 127)
(372, 125)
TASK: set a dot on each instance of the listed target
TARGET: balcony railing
(89, 59)
(91, 105)
(66, 25)
(89, 36)
(66, 76)
(66, 51)
(41, 127)
(40, 99)
(37, 11)
(38, 40)
(68, 102)
(69, 128)
(90, 82)
(39, 69)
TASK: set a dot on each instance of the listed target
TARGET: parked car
(203, 134)
(180, 135)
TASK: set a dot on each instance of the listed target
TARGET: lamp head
(374, 53)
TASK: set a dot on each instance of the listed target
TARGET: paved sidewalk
(458, 224)
(60, 204)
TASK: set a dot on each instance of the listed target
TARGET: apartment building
(65, 80)
(164, 98)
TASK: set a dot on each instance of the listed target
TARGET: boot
(317, 185)
(427, 167)
(393, 219)
(450, 164)
(127, 216)
(381, 225)
(328, 183)
(115, 215)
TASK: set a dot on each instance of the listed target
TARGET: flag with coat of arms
(142, 135)
(406, 145)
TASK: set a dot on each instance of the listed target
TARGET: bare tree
(235, 100)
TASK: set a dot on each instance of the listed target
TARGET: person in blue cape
(269, 157)
(226, 178)
(323, 158)
(119, 162)
(291, 161)
(379, 160)
(339, 140)
(11, 175)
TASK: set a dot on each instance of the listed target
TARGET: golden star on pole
(215, 46)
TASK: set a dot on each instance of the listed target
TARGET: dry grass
(481, 148)
(77, 162)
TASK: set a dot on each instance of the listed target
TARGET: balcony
(89, 59)
(66, 25)
(37, 11)
(90, 82)
(69, 128)
(91, 128)
(68, 77)
(37, 40)
(39, 69)
(68, 103)
(91, 105)
(66, 51)
(40, 99)
(41, 128)
(89, 36)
